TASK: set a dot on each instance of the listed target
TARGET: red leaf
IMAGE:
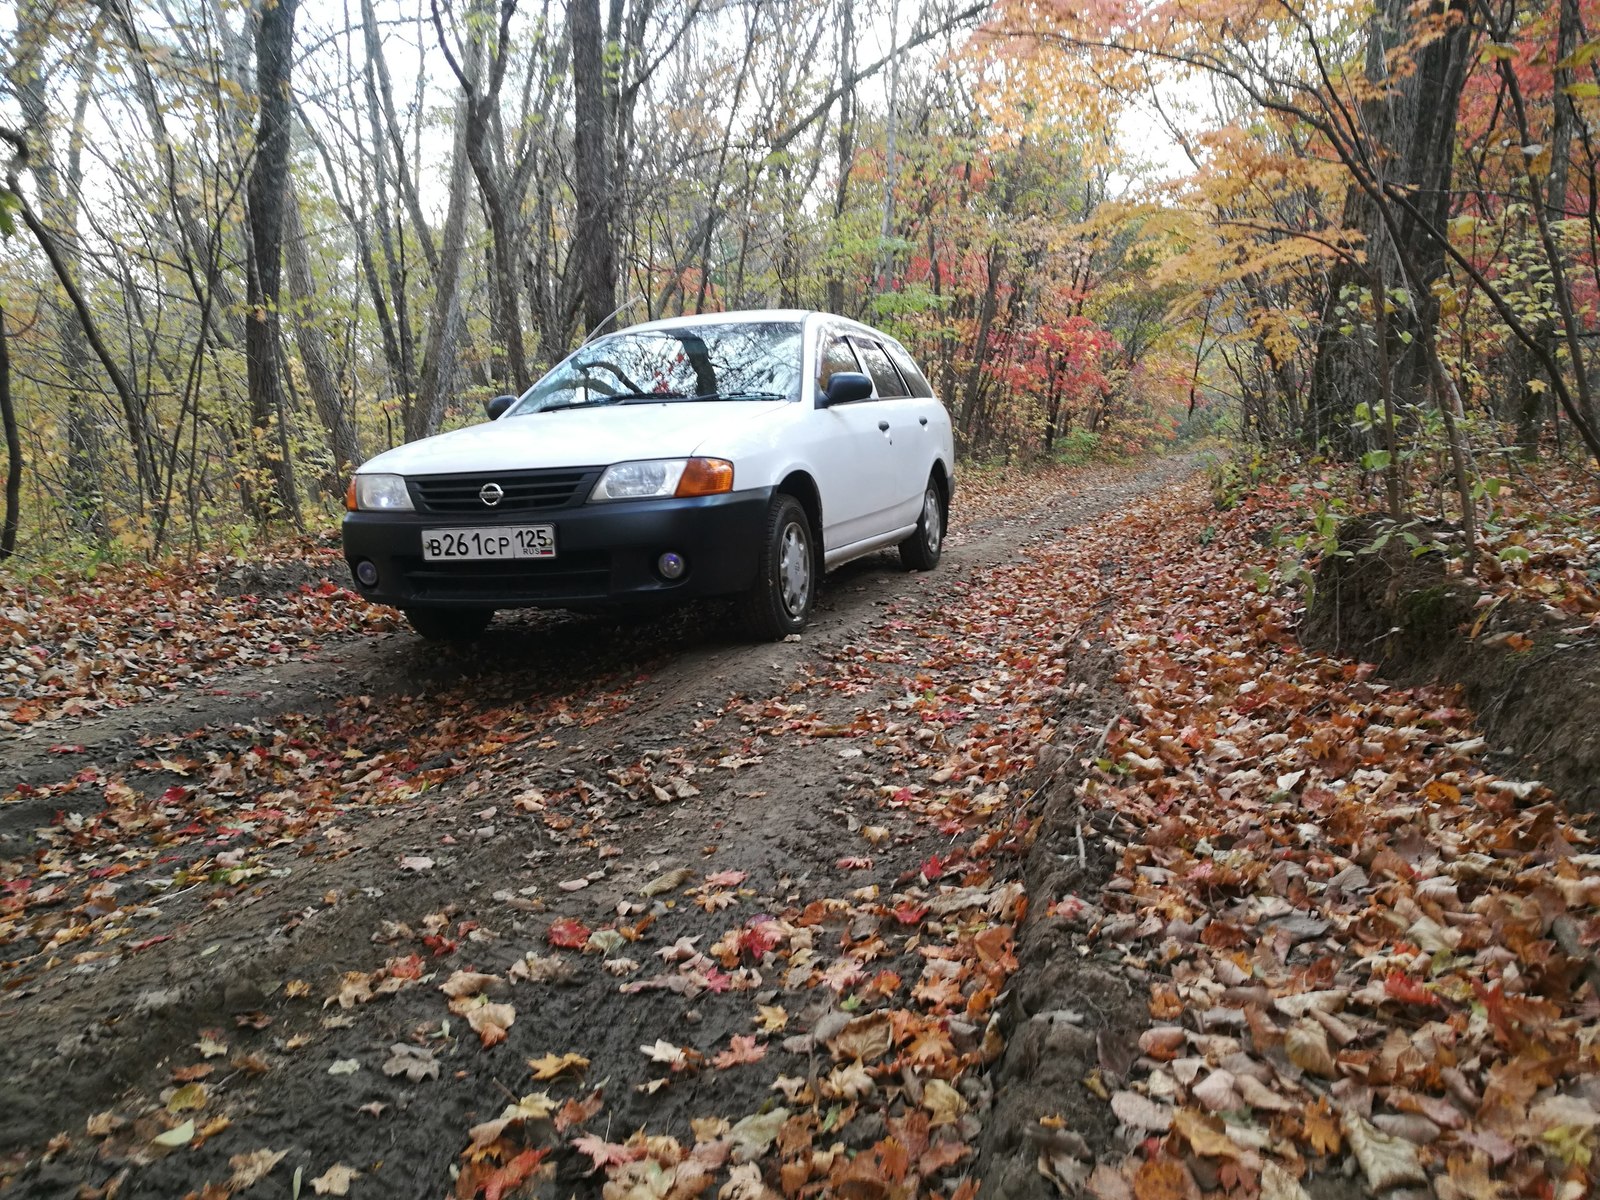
(908, 915)
(568, 933)
(1408, 990)
(512, 1174)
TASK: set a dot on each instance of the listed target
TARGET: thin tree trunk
(320, 376)
(8, 418)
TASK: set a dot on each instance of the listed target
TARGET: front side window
(739, 360)
(836, 358)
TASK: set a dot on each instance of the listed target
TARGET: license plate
(501, 541)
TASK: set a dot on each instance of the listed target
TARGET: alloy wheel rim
(794, 570)
(931, 519)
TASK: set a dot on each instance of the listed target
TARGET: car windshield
(739, 360)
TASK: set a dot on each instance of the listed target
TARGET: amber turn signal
(350, 495)
(706, 477)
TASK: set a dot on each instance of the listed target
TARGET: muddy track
(588, 710)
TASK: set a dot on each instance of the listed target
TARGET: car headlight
(380, 492)
(657, 477)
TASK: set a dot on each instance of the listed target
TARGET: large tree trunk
(274, 58)
(1411, 133)
(594, 242)
(321, 378)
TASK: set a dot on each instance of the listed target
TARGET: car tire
(786, 574)
(921, 551)
(449, 624)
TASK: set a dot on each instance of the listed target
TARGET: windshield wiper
(571, 404)
(744, 396)
(634, 397)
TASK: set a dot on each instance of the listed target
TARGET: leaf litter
(1358, 946)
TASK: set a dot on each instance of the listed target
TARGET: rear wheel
(920, 551)
(786, 574)
(449, 624)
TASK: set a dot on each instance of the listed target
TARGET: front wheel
(786, 574)
(449, 624)
(920, 551)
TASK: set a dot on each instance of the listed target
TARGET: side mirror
(496, 408)
(846, 387)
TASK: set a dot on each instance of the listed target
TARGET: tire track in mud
(782, 809)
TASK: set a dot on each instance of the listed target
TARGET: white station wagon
(731, 454)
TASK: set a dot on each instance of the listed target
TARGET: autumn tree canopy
(256, 243)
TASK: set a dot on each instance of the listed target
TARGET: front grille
(584, 575)
(525, 491)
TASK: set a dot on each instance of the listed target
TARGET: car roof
(774, 315)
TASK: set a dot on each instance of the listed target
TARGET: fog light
(671, 566)
(367, 572)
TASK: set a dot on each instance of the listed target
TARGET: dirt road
(238, 901)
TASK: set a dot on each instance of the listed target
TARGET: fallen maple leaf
(771, 1017)
(512, 1174)
(568, 933)
(487, 1019)
(741, 1049)
(415, 1063)
(726, 878)
(550, 1065)
(606, 1154)
(665, 1052)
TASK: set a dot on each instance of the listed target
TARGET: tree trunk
(594, 243)
(1412, 134)
(320, 376)
(274, 58)
(8, 418)
(58, 200)
(437, 385)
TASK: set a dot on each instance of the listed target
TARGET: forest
(1216, 822)
(248, 246)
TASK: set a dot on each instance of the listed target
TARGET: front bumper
(605, 554)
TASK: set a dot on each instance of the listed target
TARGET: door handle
(922, 420)
(883, 425)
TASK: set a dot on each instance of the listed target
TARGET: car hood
(590, 438)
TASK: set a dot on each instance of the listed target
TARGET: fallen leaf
(551, 1065)
(1387, 1162)
(741, 1049)
(412, 862)
(179, 1135)
(667, 881)
(1140, 1112)
(335, 1181)
(415, 1063)
(864, 1038)
(250, 1169)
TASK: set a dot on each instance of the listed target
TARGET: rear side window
(914, 378)
(884, 377)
